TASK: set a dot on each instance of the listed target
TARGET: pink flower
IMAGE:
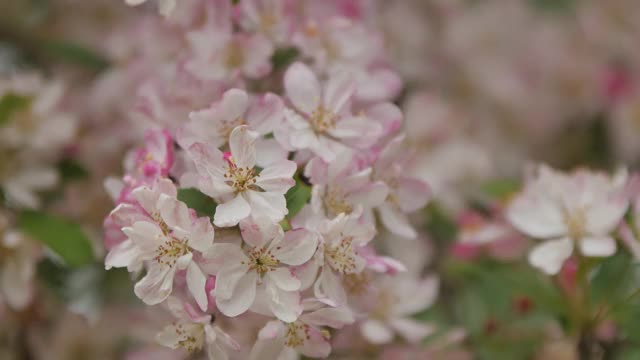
(264, 266)
(240, 190)
(406, 194)
(340, 187)
(220, 54)
(214, 124)
(194, 331)
(165, 7)
(397, 299)
(156, 157)
(170, 240)
(580, 209)
(338, 255)
(305, 336)
(323, 122)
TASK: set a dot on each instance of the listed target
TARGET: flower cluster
(34, 130)
(300, 154)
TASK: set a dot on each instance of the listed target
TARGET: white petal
(329, 286)
(335, 317)
(267, 204)
(196, 283)
(234, 104)
(243, 296)
(550, 255)
(297, 247)
(376, 332)
(258, 231)
(302, 87)
(201, 235)
(124, 254)
(156, 286)
(283, 279)
(231, 212)
(396, 222)
(285, 305)
(338, 91)
(277, 177)
(174, 212)
(597, 246)
(536, 217)
(243, 149)
(411, 330)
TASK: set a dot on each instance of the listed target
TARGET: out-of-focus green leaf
(500, 189)
(10, 104)
(554, 6)
(440, 225)
(71, 170)
(281, 58)
(297, 197)
(76, 54)
(614, 279)
(196, 200)
(63, 237)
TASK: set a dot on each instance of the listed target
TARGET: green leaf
(439, 224)
(10, 104)
(554, 6)
(283, 57)
(196, 200)
(500, 189)
(76, 54)
(71, 170)
(297, 197)
(63, 237)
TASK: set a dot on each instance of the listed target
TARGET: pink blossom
(262, 266)
(579, 209)
(323, 122)
(234, 182)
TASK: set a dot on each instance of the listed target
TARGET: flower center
(240, 178)
(341, 257)
(356, 284)
(296, 334)
(226, 127)
(576, 222)
(335, 203)
(261, 260)
(190, 336)
(171, 250)
(322, 120)
(234, 56)
(384, 304)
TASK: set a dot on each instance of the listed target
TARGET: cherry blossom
(235, 182)
(307, 335)
(340, 187)
(396, 300)
(323, 122)
(171, 240)
(262, 265)
(193, 331)
(406, 193)
(577, 210)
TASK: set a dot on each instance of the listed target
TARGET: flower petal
(231, 212)
(242, 145)
(597, 246)
(550, 255)
(196, 283)
(296, 248)
(302, 87)
(243, 296)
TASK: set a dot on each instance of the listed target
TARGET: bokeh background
(491, 87)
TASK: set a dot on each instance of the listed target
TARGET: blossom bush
(295, 179)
